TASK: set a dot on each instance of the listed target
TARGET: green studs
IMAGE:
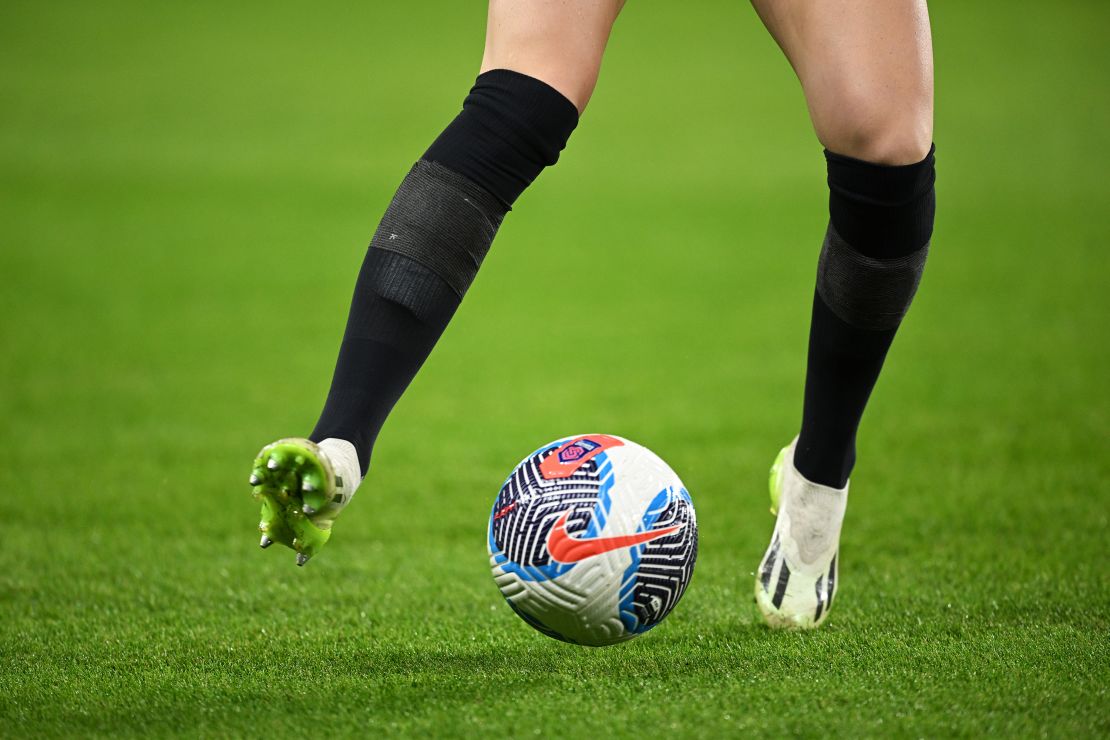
(292, 484)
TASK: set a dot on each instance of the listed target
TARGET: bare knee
(879, 126)
(560, 42)
(867, 70)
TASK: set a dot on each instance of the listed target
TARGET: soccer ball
(592, 539)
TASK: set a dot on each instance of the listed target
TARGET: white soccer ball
(592, 539)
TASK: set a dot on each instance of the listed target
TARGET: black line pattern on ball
(666, 565)
(521, 531)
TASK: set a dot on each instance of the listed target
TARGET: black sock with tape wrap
(443, 221)
(863, 291)
(429, 245)
(872, 259)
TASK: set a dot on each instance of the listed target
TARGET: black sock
(510, 128)
(431, 242)
(881, 221)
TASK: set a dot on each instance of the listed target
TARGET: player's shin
(432, 240)
(422, 260)
(881, 222)
(872, 259)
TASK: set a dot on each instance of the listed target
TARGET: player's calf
(871, 263)
(422, 260)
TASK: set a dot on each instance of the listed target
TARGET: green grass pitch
(186, 192)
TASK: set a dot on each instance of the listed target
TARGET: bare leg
(866, 67)
(867, 73)
(866, 70)
(560, 43)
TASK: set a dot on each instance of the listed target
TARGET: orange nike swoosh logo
(567, 549)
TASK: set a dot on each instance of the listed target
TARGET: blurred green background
(186, 192)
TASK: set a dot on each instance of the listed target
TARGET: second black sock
(881, 221)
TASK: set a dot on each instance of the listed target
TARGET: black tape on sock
(443, 221)
(863, 291)
(880, 224)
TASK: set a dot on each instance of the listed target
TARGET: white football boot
(797, 579)
(303, 486)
